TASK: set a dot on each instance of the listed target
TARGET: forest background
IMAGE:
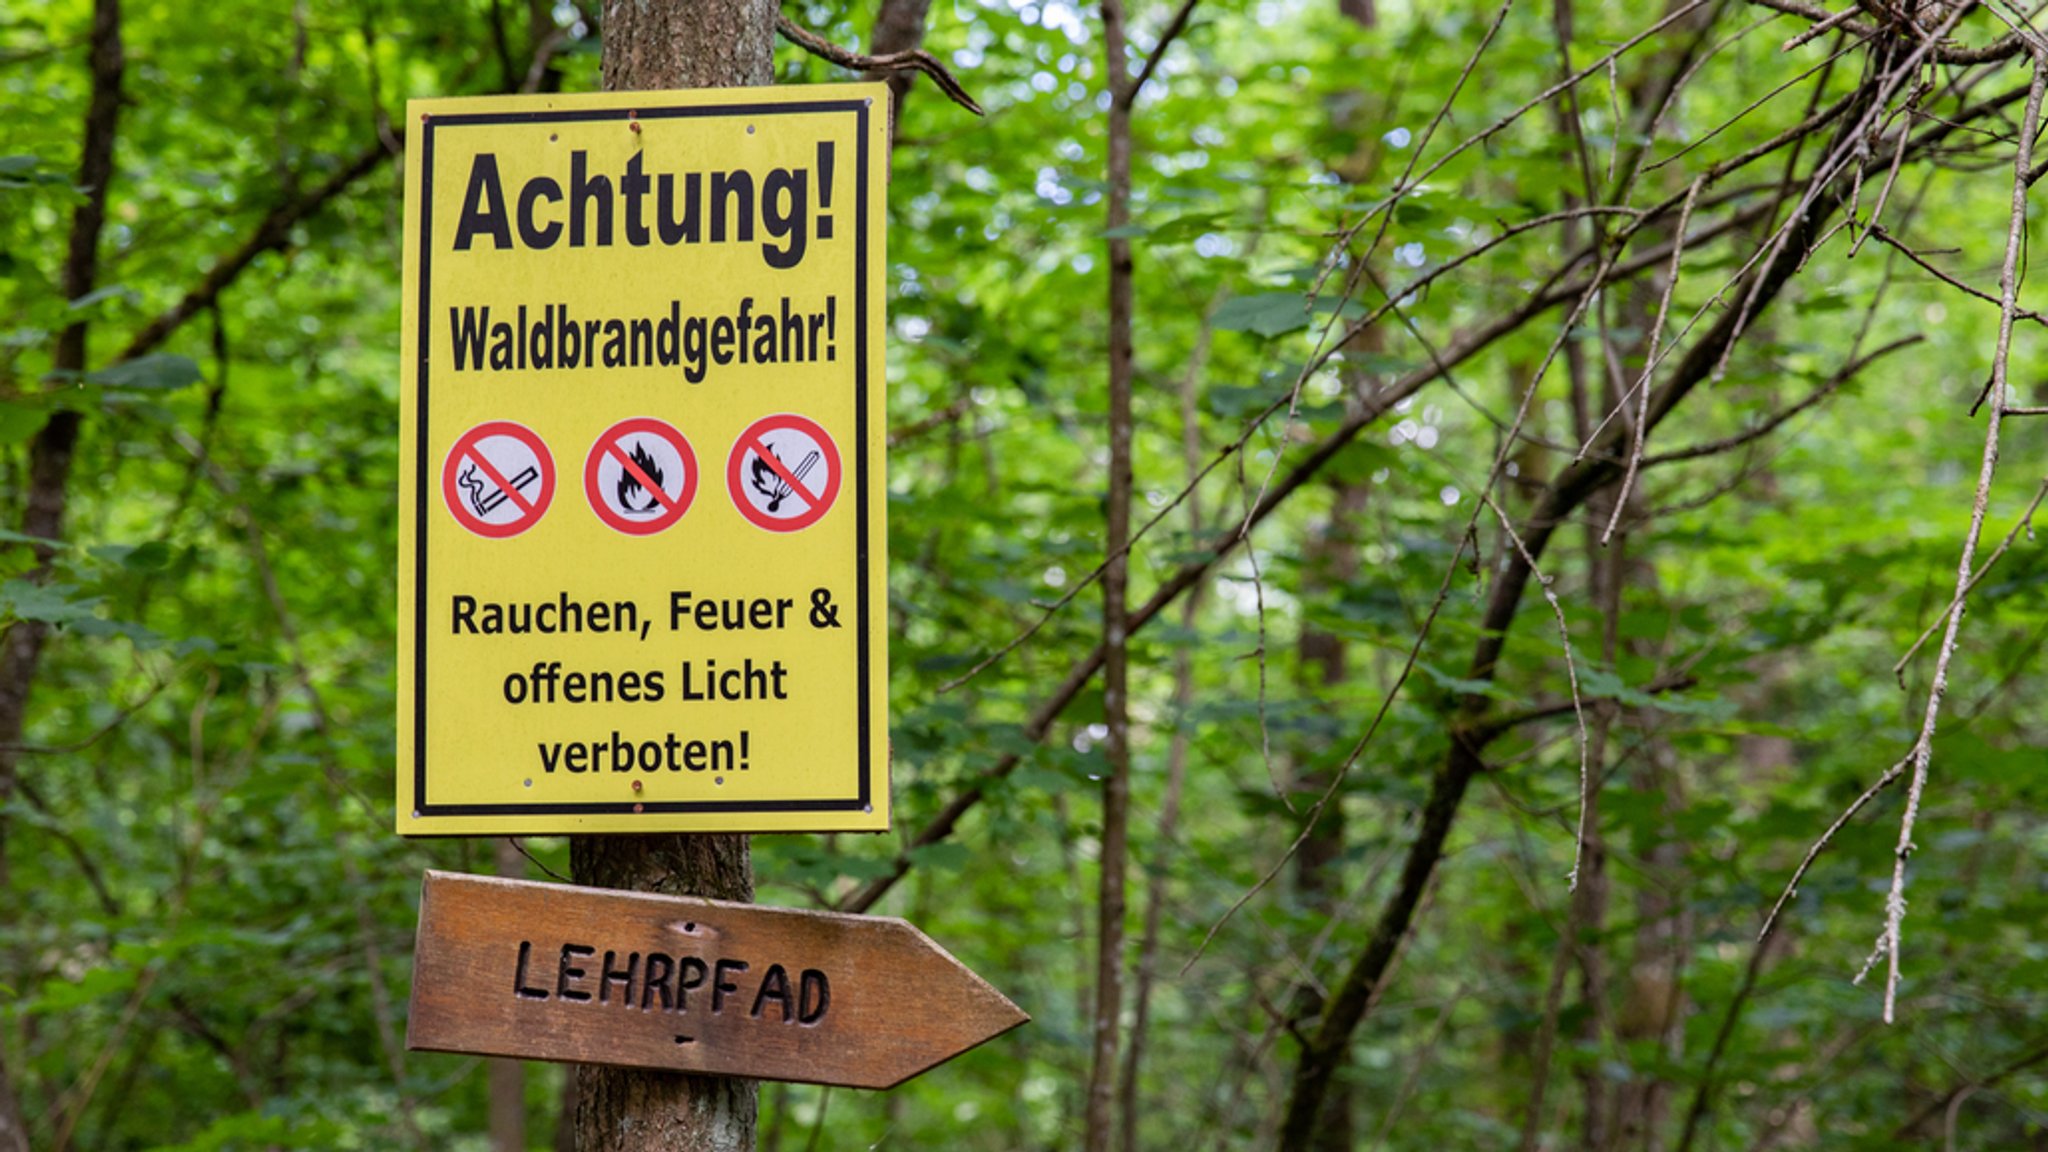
(1561, 440)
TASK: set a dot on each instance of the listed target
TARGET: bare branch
(1923, 748)
(2025, 524)
(1778, 419)
(913, 60)
(1174, 27)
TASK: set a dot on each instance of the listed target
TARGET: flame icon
(630, 492)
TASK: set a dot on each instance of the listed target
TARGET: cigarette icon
(486, 503)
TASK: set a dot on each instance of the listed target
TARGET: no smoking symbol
(498, 479)
(641, 476)
(783, 473)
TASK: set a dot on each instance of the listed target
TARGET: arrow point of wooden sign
(595, 976)
(963, 1011)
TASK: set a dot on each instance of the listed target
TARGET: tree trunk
(1330, 561)
(507, 1112)
(899, 27)
(49, 469)
(631, 1110)
(673, 44)
(1106, 1027)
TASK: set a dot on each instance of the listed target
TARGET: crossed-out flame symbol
(630, 491)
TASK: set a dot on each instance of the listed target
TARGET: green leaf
(946, 854)
(1450, 683)
(50, 603)
(1271, 314)
(24, 171)
(110, 292)
(143, 638)
(20, 419)
(10, 536)
(60, 995)
(1267, 314)
(160, 372)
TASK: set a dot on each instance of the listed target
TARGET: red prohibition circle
(476, 487)
(608, 502)
(790, 478)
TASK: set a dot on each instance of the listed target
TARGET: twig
(1923, 748)
(1642, 384)
(1879, 231)
(2004, 48)
(1549, 709)
(537, 862)
(913, 60)
(1752, 106)
(1777, 419)
(98, 734)
(1174, 27)
(2020, 1063)
(1501, 125)
(1884, 194)
(1337, 777)
(2025, 524)
(1885, 781)
(951, 412)
(1402, 388)
(1818, 30)
(1571, 668)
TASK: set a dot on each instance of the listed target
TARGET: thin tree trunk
(50, 455)
(1578, 937)
(507, 1111)
(1651, 994)
(899, 27)
(673, 44)
(21, 649)
(1116, 785)
(1329, 563)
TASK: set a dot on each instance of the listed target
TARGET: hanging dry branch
(911, 60)
(1987, 472)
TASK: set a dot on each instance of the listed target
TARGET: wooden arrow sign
(593, 976)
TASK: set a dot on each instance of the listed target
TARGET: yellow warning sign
(642, 570)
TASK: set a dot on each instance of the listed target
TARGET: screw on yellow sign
(642, 553)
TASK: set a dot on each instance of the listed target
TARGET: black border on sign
(864, 800)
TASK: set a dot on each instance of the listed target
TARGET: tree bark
(899, 27)
(49, 469)
(1330, 561)
(632, 1110)
(507, 1111)
(1106, 1028)
(673, 44)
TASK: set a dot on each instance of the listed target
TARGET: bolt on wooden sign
(643, 561)
(553, 972)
